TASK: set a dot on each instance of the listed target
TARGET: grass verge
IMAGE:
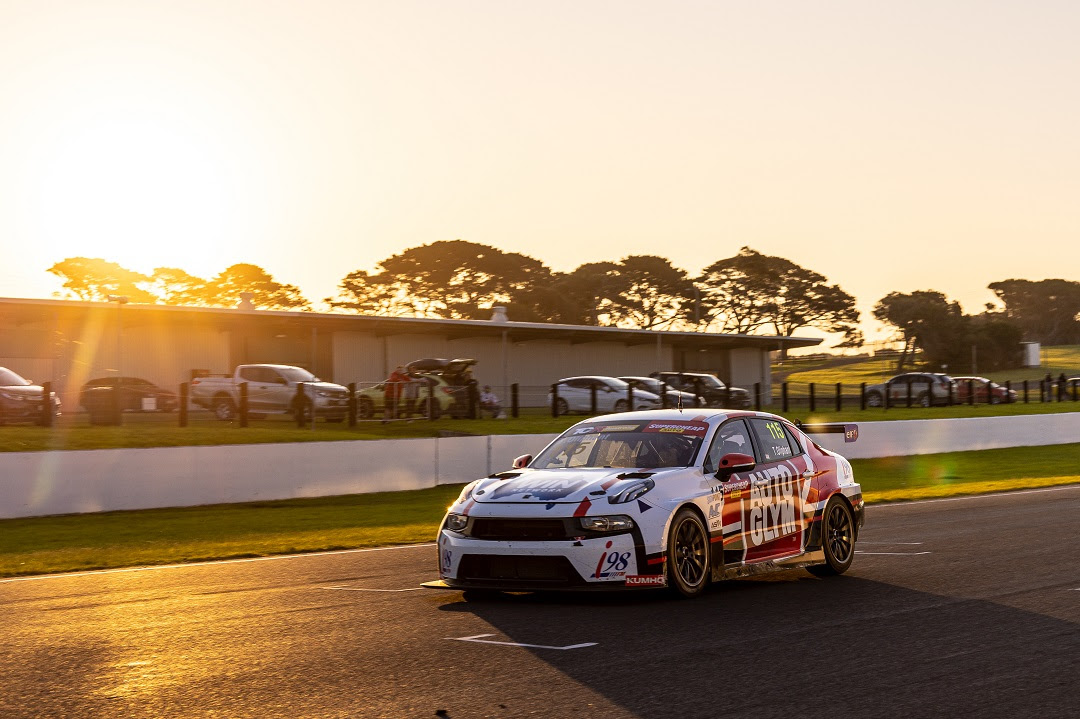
(166, 536)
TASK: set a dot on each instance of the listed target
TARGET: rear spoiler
(850, 431)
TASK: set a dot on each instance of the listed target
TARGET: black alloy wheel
(561, 407)
(688, 554)
(837, 539)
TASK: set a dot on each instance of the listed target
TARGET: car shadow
(792, 644)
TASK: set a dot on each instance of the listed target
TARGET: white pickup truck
(271, 390)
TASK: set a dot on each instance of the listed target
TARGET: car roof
(699, 414)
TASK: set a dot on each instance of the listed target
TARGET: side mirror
(523, 461)
(735, 462)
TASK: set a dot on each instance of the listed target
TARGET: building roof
(20, 311)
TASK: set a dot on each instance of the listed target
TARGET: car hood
(569, 486)
(25, 391)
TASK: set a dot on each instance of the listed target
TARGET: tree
(648, 292)
(1048, 311)
(92, 278)
(451, 279)
(174, 286)
(750, 290)
(924, 319)
(224, 290)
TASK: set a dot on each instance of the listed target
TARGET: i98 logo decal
(611, 564)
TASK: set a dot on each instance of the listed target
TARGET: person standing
(489, 402)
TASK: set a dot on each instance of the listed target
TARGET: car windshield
(646, 444)
(295, 374)
(712, 382)
(652, 385)
(10, 379)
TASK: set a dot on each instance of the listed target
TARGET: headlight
(616, 523)
(12, 397)
(632, 492)
(456, 522)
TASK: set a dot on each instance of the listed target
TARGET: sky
(891, 146)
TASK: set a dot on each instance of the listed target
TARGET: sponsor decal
(583, 508)
(447, 560)
(543, 490)
(776, 498)
(646, 580)
(611, 564)
(696, 429)
(620, 428)
(584, 430)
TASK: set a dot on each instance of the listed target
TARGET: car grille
(501, 529)
(509, 569)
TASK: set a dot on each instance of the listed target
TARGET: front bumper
(579, 564)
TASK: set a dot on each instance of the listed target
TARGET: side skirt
(805, 559)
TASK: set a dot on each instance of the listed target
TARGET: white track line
(210, 563)
(886, 505)
(479, 639)
(366, 589)
(894, 554)
(892, 544)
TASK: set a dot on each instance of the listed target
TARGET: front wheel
(924, 399)
(687, 554)
(837, 539)
(620, 405)
(561, 407)
(366, 408)
(873, 399)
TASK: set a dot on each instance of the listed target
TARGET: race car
(659, 498)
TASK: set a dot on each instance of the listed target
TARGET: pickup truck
(271, 390)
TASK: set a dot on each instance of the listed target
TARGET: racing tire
(620, 405)
(224, 408)
(561, 407)
(873, 399)
(837, 539)
(365, 409)
(687, 554)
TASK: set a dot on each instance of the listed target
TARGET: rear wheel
(365, 409)
(224, 408)
(837, 539)
(687, 554)
(924, 399)
(561, 407)
(873, 399)
(422, 408)
(620, 405)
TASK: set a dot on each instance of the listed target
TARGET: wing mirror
(735, 462)
(523, 461)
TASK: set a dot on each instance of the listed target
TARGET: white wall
(41, 483)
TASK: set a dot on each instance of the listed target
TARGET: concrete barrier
(43, 483)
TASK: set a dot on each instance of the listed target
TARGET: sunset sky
(888, 145)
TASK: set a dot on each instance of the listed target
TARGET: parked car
(21, 399)
(998, 394)
(656, 499)
(136, 395)
(371, 401)
(709, 387)
(674, 396)
(927, 388)
(271, 390)
(612, 395)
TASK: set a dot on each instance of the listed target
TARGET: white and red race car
(663, 498)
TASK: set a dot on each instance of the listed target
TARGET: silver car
(612, 395)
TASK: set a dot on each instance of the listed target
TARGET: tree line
(746, 293)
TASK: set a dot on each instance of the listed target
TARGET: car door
(726, 507)
(773, 518)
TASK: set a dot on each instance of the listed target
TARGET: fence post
(182, 410)
(474, 401)
(663, 395)
(352, 404)
(1076, 391)
(629, 397)
(430, 399)
(971, 391)
(839, 397)
(514, 400)
(784, 396)
(909, 392)
(951, 394)
(1025, 391)
(555, 400)
(989, 393)
(46, 404)
(592, 398)
(243, 409)
(727, 394)
(757, 396)
(813, 401)
(862, 396)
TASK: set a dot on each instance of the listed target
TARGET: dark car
(924, 388)
(709, 387)
(998, 394)
(673, 396)
(21, 399)
(136, 395)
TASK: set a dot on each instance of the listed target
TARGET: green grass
(166, 536)
(141, 430)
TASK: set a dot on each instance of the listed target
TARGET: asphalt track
(964, 607)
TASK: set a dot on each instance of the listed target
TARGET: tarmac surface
(959, 607)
